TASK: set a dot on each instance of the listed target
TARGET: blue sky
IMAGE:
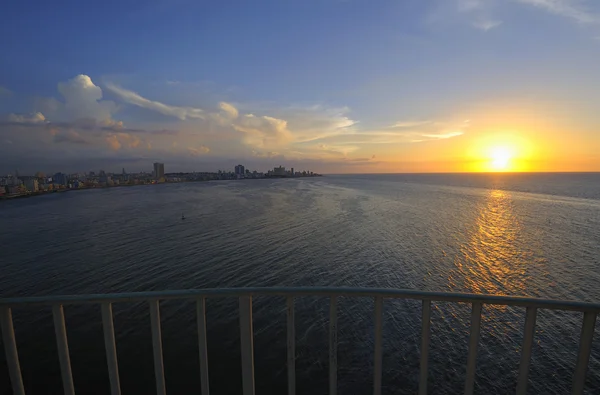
(330, 85)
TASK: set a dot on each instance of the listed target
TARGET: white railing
(589, 310)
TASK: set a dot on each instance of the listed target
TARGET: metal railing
(589, 310)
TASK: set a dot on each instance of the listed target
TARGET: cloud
(134, 98)
(263, 131)
(476, 13)
(269, 154)
(5, 91)
(399, 133)
(444, 135)
(486, 24)
(83, 99)
(69, 136)
(573, 9)
(229, 109)
(197, 151)
(479, 12)
(409, 124)
(36, 117)
(316, 122)
(118, 140)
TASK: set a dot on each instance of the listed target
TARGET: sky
(332, 86)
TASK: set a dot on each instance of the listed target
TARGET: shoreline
(64, 190)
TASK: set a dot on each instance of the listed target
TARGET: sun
(500, 158)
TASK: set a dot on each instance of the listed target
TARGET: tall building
(32, 185)
(240, 170)
(159, 171)
(60, 178)
(279, 171)
(292, 172)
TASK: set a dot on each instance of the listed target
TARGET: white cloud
(400, 133)
(486, 24)
(444, 135)
(83, 99)
(36, 117)
(479, 12)
(316, 122)
(134, 98)
(229, 109)
(578, 10)
(263, 131)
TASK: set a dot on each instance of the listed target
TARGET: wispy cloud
(197, 151)
(486, 24)
(34, 118)
(5, 91)
(577, 10)
(410, 124)
(136, 99)
(68, 136)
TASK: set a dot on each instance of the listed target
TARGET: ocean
(507, 234)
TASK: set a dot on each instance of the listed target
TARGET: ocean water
(507, 234)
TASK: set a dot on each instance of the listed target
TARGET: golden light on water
(492, 262)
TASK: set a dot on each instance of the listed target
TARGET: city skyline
(342, 87)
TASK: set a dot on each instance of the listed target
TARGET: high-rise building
(240, 170)
(60, 179)
(159, 171)
(279, 171)
(32, 184)
(292, 172)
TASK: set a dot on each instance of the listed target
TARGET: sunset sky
(334, 86)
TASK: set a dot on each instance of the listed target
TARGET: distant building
(292, 172)
(159, 171)
(32, 185)
(60, 179)
(240, 170)
(279, 171)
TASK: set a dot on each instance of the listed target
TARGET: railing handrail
(390, 293)
(245, 295)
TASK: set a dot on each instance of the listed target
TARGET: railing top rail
(304, 291)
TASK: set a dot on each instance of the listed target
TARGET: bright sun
(500, 158)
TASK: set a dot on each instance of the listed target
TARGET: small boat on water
(182, 216)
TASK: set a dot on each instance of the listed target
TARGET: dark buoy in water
(182, 217)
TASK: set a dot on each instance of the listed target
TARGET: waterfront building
(159, 171)
(32, 185)
(240, 170)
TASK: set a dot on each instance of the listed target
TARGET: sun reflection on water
(491, 261)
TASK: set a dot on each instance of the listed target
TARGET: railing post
(291, 346)
(10, 349)
(526, 350)
(473, 341)
(247, 343)
(425, 338)
(585, 347)
(159, 370)
(63, 349)
(201, 318)
(333, 345)
(111, 348)
(378, 359)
